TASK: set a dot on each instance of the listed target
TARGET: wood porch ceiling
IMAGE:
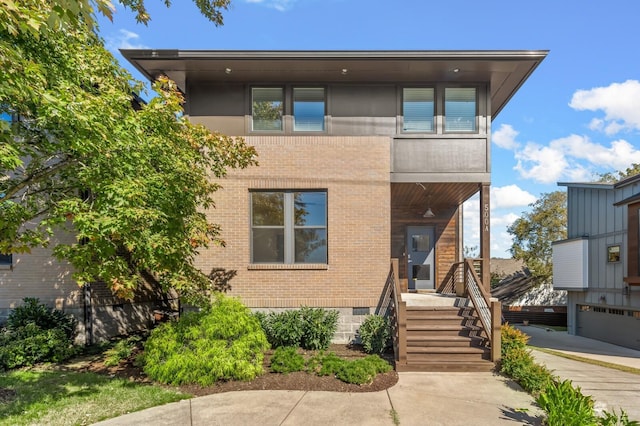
(438, 196)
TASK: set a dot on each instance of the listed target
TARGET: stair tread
(445, 337)
(426, 327)
(446, 349)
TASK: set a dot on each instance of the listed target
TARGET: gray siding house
(598, 264)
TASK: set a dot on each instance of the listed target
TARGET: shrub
(318, 327)
(362, 371)
(330, 364)
(32, 311)
(286, 359)
(283, 328)
(614, 419)
(375, 334)
(223, 342)
(309, 328)
(122, 349)
(566, 405)
(35, 334)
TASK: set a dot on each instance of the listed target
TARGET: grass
(624, 368)
(46, 396)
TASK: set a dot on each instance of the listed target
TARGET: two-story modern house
(599, 263)
(365, 156)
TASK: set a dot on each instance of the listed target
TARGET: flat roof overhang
(504, 70)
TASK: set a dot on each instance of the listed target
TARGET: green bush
(362, 371)
(34, 312)
(35, 334)
(223, 342)
(283, 328)
(375, 334)
(122, 349)
(566, 405)
(330, 364)
(286, 359)
(318, 327)
(613, 419)
(309, 328)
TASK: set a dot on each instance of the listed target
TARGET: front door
(420, 257)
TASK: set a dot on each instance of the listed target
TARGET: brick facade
(355, 173)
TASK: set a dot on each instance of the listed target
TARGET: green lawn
(45, 396)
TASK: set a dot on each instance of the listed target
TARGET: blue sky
(576, 116)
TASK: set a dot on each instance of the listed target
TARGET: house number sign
(485, 217)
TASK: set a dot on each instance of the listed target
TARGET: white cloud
(543, 164)
(280, 5)
(505, 137)
(620, 103)
(574, 158)
(510, 196)
(124, 39)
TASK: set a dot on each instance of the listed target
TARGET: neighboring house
(599, 262)
(364, 156)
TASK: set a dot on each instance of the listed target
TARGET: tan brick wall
(355, 172)
(39, 274)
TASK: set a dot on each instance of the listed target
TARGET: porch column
(485, 234)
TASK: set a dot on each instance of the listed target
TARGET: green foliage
(375, 334)
(330, 364)
(309, 328)
(31, 344)
(32, 311)
(224, 342)
(362, 371)
(518, 363)
(613, 419)
(35, 334)
(283, 328)
(566, 405)
(121, 350)
(614, 177)
(286, 359)
(318, 327)
(534, 232)
(131, 183)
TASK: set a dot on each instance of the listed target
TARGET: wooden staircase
(445, 338)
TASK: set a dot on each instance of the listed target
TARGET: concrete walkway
(417, 399)
(611, 388)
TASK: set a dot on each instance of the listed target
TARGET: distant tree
(131, 183)
(633, 170)
(534, 232)
(470, 251)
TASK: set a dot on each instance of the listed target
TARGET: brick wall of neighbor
(355, 173)
(39, 274)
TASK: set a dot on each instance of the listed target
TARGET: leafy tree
(534, 232)
(633, 170)
(129, 181)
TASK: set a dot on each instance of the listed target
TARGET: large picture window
(417, 109)
(308, 109)
(289, 227)
(267, 108)
(460, 109)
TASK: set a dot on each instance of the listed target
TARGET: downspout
(88, 316)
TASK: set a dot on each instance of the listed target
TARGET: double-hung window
(289, 227)
(267, 108)
(460, 109)
(417, 109)
(308, 109)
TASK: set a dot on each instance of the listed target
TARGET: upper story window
(308, 109)
(460, 109)
(289, 227)
(417, 109)
(267, 108)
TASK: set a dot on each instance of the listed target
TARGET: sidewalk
(417, 399)
(611, 388)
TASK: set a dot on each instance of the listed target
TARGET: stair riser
(418, 358)
(441, 321)
(444, 344)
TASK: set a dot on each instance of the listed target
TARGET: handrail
(453, 276)
(479, 297)
(398, 320)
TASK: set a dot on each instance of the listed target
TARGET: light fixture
(344, 71)
(429, 213)
(227, 70)
(456, 70)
